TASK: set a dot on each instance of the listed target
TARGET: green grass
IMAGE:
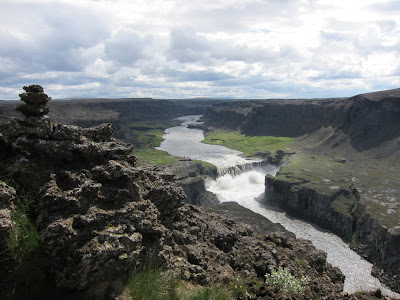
(380, 193)
(155, 157)
(344, 205)
(24, 251)
(150, 133)
(149, 283)
(251, 146)
(24, 238)
(315, 172)
(207, 293)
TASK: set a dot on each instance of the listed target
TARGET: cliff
(98, 216)
(352, 221)
(343, 171)
(367, 119)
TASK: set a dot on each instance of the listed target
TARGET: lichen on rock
(7, 198)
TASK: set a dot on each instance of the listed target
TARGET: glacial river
(247, 189)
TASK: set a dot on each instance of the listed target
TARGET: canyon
(341, 173)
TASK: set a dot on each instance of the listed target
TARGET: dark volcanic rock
(94, 209)
(35, 101)
(241, 214)
(7, 198)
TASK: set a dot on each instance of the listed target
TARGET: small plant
(285, 281)
(147, 282)
(210, 293)
(24, 238)
(302, 263)
(239, 288)
(353, 241)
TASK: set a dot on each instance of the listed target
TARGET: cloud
(213, 48)
(126, 47)
(49, 36)
(188, 46)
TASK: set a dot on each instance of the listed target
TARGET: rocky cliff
(368, 119)
(98, 216)
(376, 243)
(344, 167)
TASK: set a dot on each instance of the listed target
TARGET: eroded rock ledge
(376, 243)
(99, 215)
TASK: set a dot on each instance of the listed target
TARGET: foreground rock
(99, 215)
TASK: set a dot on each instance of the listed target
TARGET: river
(247, 188)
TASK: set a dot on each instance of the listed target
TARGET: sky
(208, 48)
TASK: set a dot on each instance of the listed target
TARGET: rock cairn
(35, 101)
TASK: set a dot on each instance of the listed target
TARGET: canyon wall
(368, 119)
(375, 242)
(364, 132)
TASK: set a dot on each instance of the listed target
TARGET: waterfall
(244, 167)
(242, 181)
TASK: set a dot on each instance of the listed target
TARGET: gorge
(244, 188)
(343, 175)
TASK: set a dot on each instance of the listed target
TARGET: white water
(246, 188)
(186, 142)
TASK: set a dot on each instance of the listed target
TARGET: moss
(344, 205)
(302, 263)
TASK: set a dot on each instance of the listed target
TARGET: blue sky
(207, 48)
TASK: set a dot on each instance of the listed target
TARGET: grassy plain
(251, 146)
(149, 135)
(316, 172)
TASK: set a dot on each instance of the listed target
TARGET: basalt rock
(7, 199)
(35, 101)
(94, 209)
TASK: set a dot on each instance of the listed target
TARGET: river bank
(239, 186)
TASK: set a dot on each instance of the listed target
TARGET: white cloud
(214, 48)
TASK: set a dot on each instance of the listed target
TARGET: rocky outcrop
(95, 211)
(308, 204)
(7, 199)
(380, 245)
(276, 117)
(225, 250)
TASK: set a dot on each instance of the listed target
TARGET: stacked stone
(35, 102)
